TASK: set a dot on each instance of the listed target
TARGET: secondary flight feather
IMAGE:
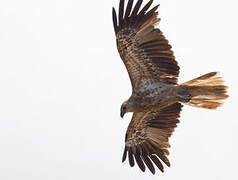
(156, 97)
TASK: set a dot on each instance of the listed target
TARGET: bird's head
(123, 108)
(128, 106)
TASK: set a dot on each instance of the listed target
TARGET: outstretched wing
(147, 137)
(143, 48)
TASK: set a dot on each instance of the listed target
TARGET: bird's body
(153, 96)
(156, 97)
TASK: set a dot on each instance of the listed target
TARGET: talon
(185, 98)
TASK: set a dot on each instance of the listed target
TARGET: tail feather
(207, 91)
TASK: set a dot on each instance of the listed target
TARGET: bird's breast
(155, 95)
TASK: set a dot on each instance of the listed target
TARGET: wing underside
(147, 137)
(143, 48)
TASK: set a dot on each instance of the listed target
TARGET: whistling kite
(156, 97)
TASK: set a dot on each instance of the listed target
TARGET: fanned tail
(207, 91)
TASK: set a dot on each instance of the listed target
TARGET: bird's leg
(184, 97)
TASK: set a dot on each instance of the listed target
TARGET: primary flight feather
(156, 97)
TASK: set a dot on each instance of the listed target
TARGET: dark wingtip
(136, 8)
(155, 8)
(157, 162)
(139, 162)
(124, 154)
(121, 12)
(131, 159)
(128, 9)
(146, 7)
(114, 18)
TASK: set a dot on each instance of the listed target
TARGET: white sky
(62, 83)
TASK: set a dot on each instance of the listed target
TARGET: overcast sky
(62, 83)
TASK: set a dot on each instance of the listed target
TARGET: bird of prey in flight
(156, 99)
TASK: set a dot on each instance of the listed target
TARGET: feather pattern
(148, 133)
(156, 96)
(144, 50)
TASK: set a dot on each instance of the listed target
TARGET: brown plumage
(156, 97)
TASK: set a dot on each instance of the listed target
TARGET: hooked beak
(123, 112)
